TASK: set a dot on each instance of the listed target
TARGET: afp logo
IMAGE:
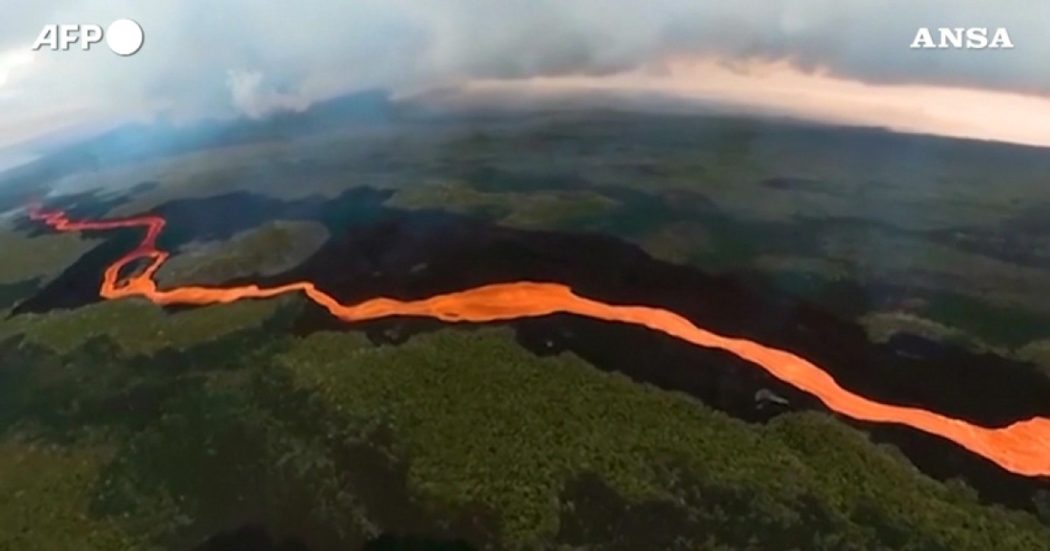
(123, 36)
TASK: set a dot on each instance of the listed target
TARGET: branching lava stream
(1022, 447)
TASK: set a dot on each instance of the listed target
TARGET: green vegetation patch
(45, 498)
(136, 325)
(879, 256)
(1037, 352)
(485, 421)
(679, 242)
(43, 256)
(526, 210)
(455, 434)
(881, 326)
(266, 250)
(220, 460)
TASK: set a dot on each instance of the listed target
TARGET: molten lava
(1022, 447)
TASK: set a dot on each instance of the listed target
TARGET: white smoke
(253, 98)
(204, 58)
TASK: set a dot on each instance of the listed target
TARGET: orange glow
(780, 88)
(1022, 447)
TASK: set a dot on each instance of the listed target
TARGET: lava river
(1022, 447)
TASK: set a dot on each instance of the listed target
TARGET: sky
(839, 61)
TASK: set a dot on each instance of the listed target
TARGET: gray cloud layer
(211, 58)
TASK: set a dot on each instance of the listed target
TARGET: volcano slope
(380, 252)
(203, 424)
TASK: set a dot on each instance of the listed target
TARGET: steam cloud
(247, 57)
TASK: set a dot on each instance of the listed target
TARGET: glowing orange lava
(1022, 447)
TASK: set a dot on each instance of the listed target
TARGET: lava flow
(1022, 447)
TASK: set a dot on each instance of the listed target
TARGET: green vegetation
(215, 459)
(136, 326)
(42, 256)
(1037, 352)
(197, 441)
(453, 434)
(877, 256)
(537, 210)
(679, 242)
(486, 422)
(881, 326)
(266, 250)
(45, 495)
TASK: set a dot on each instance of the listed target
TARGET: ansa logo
(962, 37)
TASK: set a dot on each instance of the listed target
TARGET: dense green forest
(455, 435)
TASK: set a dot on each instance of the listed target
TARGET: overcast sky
(836, 59)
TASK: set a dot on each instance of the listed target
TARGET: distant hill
(139, 141)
